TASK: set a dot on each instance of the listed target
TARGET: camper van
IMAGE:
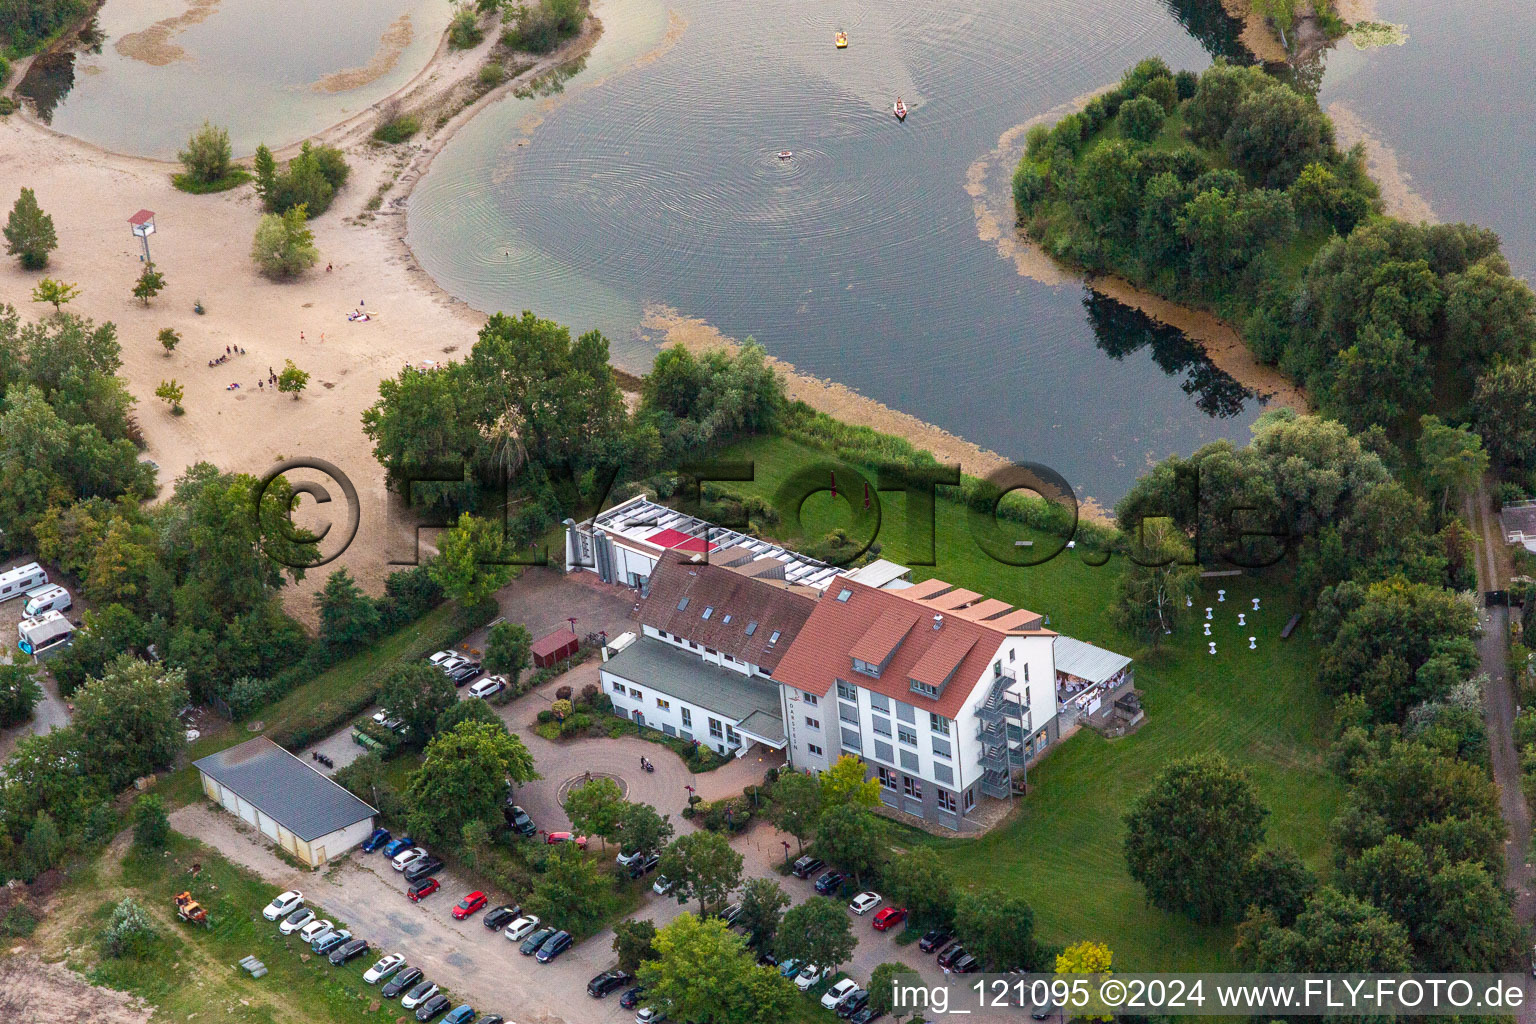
(42, 634)
(48, 598)
(16, 582)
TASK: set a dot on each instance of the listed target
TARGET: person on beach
(327, 268)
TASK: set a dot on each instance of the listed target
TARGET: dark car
(501, 916)
(379, 838)
(933, 940)
(767, 960)
(606, 982)
(807, 866)
(406, 979)
(949, 954)
(642, 866)
(852, 1003)
(432, 1007)
(463, 1014)
(492, 1018)
(631, 997)
(422, 888)
(330, 941)
(465, 674)
(1043, 1011)
(864, 1016)
(349, 951)
(553, 946)
(518, 820)
(397, 844)
(425, 867)
(532, 943)
(966, 964)
(830, 882)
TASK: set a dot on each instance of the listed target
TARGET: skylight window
(844, 594)
(710, 610)
(774, 638)
(751, 627)
(682, 605)
(727, 618)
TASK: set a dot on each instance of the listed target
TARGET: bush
(464, 31)
(1142, 118)
(398, 129)
(131, 933)
(207, 156)
(151, 828)
(539, 26)
(492, 74)
(283, 246)
(310, 180)
(546, 716)
(18, 922)
(563, 693)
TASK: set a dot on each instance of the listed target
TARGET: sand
(154, 45)
(391, 45)
(1256, 35)
(1397, 192)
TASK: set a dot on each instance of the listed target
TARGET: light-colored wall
(702, 653)
(656, 717)
(332, 845)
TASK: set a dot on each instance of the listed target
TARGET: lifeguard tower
(143, 225)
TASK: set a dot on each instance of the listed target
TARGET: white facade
(705, 654)
(313, 852)
(641, 703)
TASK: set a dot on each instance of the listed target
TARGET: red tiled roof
(880, 639)
(770, 607)
(552, 643)
(141, 217)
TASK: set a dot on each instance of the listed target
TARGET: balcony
(996, 784)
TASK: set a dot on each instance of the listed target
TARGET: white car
(418, 995)
(315, 929)
(521, 928)
(296, 920)
(443, 659)
(650, 1015)
(808, 976)
(864, 902)
(283, 905)
(626, 859)
(386, 966)
(488, 687)
(403, 859)
(663, 885)
(837, 993)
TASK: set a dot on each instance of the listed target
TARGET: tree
(702, 973)
(464, 777)
(348, 619)
(130, 716)
(19, 694)
(29, 232)
(131, 932)
(1142, 118)
(852, 838)
(1489, 315)
(818, 932)
(417, 694)
(1277, 881)
(1453, 459)
(1086, 958)
(634, 940)
(844, 783)
(573, 890)
(704, 867)
(292, 380)
(643, 829)
(264, 167)
(1190, 836)
(468, 711)
(998, 928)
(472, 561)
(796, 805)
(1470, 925)
(44, 847)
(284, 246)
(207, 156)
(150, 283)
(169, 339)
(1156, 584)
(151, 827)
(1335, 934)
(171, 393)
(507, 650)
(918, 880)
(762, 905)
(883, 983)
(55, 292)
(596, 808)
(1504, 407)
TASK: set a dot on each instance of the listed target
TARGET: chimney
(938, 622)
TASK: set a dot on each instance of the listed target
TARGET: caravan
(42, 634)
(48, 598)
(17, 581)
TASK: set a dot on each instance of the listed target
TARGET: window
(938, 723)
(912, 787)
(909, 760)
(866, 668)
(693, 645)
(925, 689)
(1026, 671)
(946, 801)
(709, 650)
(731, 736)
(635, 693)
(727, 619)
(687, 718)
(682, 605)
(665, 705)
(880, 702)
(851, 740)
(907, 736)
(814, 749)
(809, 698)
(844, 594)
(970, 799)
(883, 752)
(847, 691)
(812, 723)
(882, 725)
(997, 666)
(751, 627)
(848, 714)
(617, 687)
(941, 748)
(1012, 656)
(906, 712)
(943, 774)
(708, 611)
(773, 638)
(714, 728)
(888, 779)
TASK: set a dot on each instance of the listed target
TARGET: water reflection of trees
(1121, 331)
(48, 81)
(1212, 27)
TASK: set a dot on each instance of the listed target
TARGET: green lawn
(1062, 849)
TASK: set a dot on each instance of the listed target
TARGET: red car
(889, 918)
(468, 905)
(566, 837)
(422, 888)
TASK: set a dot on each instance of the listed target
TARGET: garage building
(291, 804)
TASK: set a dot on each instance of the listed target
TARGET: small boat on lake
(785, 154)
(841, 39)
(899, 109)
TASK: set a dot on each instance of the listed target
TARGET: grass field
(1063, 849)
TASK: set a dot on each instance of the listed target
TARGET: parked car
(663, 885)
(283, 905)
(394, 846)
(852, 1003)
(296, 920)
(950, 953)
(627, 857)
(837, 993)
(422, 867)
(401, 982)
(1043, 1011)
(403, 859)
(329, 941)
(498, 918)
(807, 866)
(465, 673)
(432, 1006)
(966, 964)
(490, 686)
(442, 658)
(492, 1018)
(809, 975)
(933, 939)
(830, 882)
(468, 905)
(767, 960)
(522, 928)
(889, 917)
(383, 968)
(606, 982)
(423, 991)
(644, 865)
(864, 902)
(315, 929)
(534, 940)
(565, 837)
(379, 838)
(731, 912)
(553, 946)
(422, 888)
(650, 1015)
(631, 997)
(461, 1015)
(518, 820)
(867, 1014)
(348, 951)
(789, 968)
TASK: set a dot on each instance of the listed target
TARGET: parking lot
(51, 713)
